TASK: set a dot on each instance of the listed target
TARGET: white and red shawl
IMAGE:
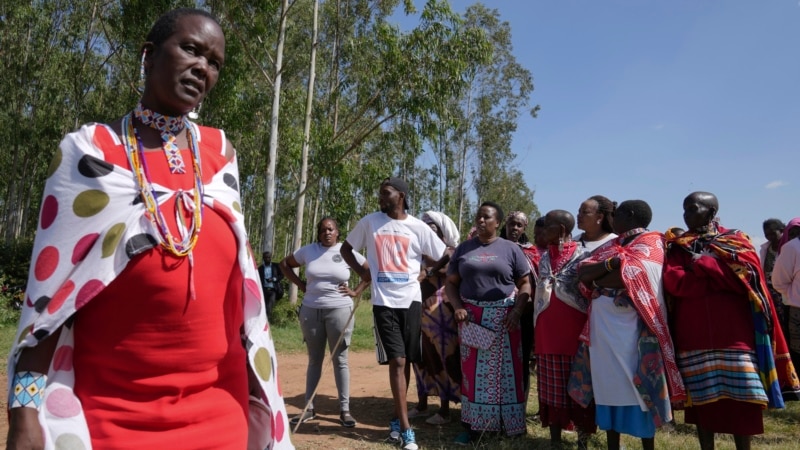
(644, 291)
(77, 269)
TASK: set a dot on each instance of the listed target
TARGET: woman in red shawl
(633, 372)
(724, 328)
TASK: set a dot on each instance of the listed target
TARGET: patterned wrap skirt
(492, 392)
(439, 373)
(556, 407)
(725, 392)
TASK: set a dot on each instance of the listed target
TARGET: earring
(195, 113)
(560, 244)
(141, 72)
(598, 222)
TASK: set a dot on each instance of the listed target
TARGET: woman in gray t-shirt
(326, 310)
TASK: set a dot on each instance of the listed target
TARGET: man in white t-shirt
(396, 245)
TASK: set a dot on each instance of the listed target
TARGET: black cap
(401, 186)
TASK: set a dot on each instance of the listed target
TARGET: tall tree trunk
(269, 202)
(301, 197)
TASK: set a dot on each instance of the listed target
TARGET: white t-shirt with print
(394, 253)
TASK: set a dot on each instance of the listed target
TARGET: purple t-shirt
(488, 271)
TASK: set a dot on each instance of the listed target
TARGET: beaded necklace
(184, 201)
(624, 236)
(630, 233)
(168, 127)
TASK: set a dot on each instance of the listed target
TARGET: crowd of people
(138, 331)
(625, 324)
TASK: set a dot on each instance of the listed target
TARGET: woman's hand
(461, 315)
(430, 303)
(345, 289)
(511, 321)
(24, 431)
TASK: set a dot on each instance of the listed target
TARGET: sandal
(347, 420)
(414, 412)
(438, 419)
(306, 416)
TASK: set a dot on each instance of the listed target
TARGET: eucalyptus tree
(56, 66)
(476, 151)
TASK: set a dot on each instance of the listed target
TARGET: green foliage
(283, 313)
(11, 298)
(14, 262)
(383, 99)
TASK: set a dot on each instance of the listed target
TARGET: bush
(15, 259)
(11, 298)
(284, 313)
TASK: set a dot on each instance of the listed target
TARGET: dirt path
(370, 400)
(370, 403)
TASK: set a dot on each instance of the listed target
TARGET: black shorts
(397, 333)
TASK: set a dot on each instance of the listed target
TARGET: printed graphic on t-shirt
(392, 252)
(482, 258)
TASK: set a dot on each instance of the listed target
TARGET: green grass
(7, 333)
(781, 427)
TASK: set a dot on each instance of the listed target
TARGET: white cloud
(775, 184)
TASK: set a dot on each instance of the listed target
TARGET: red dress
(153, 367)
(712, 311)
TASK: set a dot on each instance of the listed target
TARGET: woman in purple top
(488, 285)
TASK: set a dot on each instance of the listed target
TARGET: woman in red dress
(730, 348)
(138, 330)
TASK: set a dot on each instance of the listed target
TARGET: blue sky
(656, 99)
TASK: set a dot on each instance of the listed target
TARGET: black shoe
(308, 415)
(347, 420)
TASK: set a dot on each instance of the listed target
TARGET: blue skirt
(626, 420)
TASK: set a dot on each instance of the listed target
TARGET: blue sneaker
(409, 440)
(394, 431)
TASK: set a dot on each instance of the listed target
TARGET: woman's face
(514, 228)
(486, 222)
(185, 67)
(622, 221)
(696, 214)
(773, 235)
(552, 230)
(540, 236)
(589, 218)
(435, 229)
(328, 233)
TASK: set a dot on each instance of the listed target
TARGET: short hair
(496, 208)
(708, 199)
(607, 207)
(774, 224)
(539, 222)
(563, 217)
(641, 212)
(164, 26)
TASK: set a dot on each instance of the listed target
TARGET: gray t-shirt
(325, 271)
(488, 271)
